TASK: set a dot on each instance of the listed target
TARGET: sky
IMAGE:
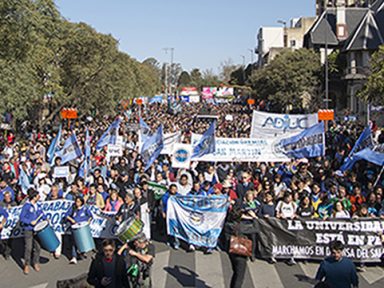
(203, 33)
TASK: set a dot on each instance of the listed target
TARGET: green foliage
(43, 54)
(288, 78)
(373, 90)
(184, 79)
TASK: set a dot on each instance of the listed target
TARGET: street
(174, 269)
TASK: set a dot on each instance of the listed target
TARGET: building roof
(367, 35)
(365, 27)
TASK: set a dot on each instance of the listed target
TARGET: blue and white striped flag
(197, 220)
(24, 181)
(53, 148)
(110, 135)
(70, 151)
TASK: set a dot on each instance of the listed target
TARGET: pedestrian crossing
(173, 269)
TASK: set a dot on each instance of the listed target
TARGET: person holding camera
(139, 259)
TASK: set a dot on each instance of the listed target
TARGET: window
(293, 43)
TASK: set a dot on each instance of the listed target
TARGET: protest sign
(181, 156)
(242, 150)
(61, 172)
(114, 150)
(275, 125)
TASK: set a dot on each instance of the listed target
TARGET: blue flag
(207, 143)
(110, 135)
(373, 155)
(365, 140)
(152, 147)
(54, 146)
(145, 131)
(70, 151)
(307, 144)
(24, 181)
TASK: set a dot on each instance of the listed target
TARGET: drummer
(78, 213)
(130, 208)
(30, 215)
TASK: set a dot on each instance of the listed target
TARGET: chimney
(341, 23)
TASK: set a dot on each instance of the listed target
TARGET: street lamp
(285, 32)
(170, 80)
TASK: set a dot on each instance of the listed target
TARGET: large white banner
(280, 125)
(242, 150)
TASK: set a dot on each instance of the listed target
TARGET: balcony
(356, 73)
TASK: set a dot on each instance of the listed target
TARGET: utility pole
(170, 79)
(252, 51)
(326, 65)
(242, 56)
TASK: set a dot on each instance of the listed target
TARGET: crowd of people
(305, 188)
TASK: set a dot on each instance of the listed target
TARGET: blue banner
(364, 140)
(307, 144)
(152, 147)
(207, 143)
(198, 220)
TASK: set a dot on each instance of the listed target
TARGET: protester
(77, 214)
(139, 260)
(337, 270)
(108, 269)
(30, 215)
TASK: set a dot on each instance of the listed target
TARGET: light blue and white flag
(364, 141)
(152, 147)
(24, 181)
(207, 143)
(145, 130)
(54, 147)
(110, 135)
(307, 144)
(373, 155)
(70, 151)
(156, 99)
(198, 220)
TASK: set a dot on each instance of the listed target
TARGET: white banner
(103, 224)
(114, 150)
(170, 139)
(276, 125)
(242, 150)
(61, 172)
(181, 156)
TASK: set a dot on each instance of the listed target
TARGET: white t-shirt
(288, 210)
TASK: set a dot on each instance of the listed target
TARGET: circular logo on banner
(196, 218)
(181, 155)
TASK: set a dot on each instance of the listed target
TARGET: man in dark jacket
(244, 186)
(108, 269)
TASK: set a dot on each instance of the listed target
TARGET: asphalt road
(179, 269)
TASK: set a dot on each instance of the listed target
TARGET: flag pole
(378, 177)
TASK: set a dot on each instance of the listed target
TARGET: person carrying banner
(336, 270)
(139, 261)
(30, 215)
(6, 248)
(78, 213)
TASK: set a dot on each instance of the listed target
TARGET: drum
(83, 238)
(47, 236)
(129, 229)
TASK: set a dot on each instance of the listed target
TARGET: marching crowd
(306, 188)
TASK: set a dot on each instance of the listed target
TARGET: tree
(210, 78)
(373, 90)
(43, 56)
(184, 79)
(196, 78)
(226, 69)
(288, 79)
